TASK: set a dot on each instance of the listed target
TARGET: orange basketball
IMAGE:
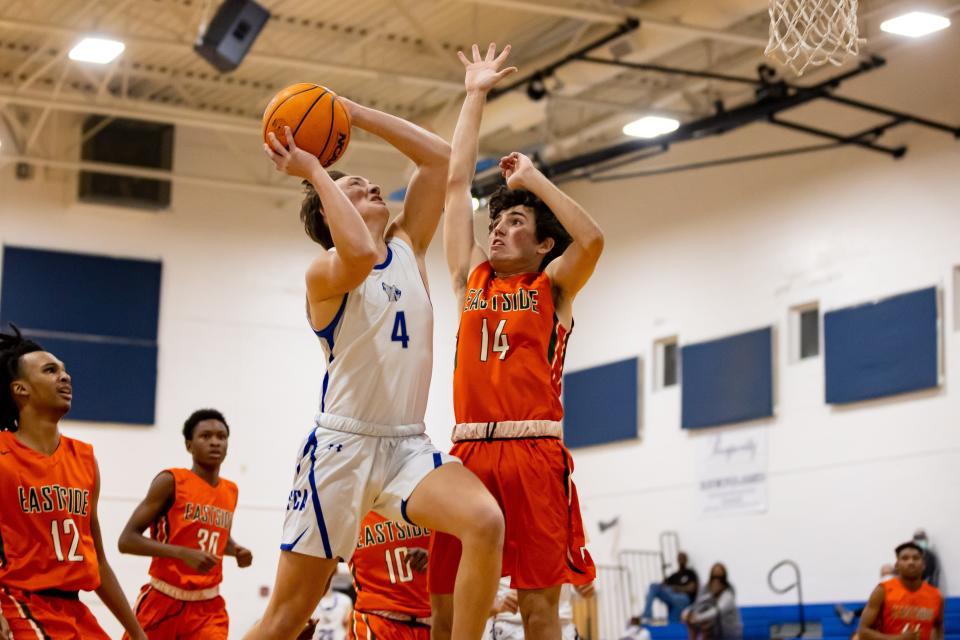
(319, 121)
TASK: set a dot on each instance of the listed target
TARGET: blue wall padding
(111, 382)
(881, 349)
(601, 404)
(81, 294)
(727, 380)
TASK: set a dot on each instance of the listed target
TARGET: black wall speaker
(231, 33)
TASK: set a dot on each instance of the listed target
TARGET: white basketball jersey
(379, 350)
(330, 615)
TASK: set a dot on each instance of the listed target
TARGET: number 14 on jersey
(500, 343)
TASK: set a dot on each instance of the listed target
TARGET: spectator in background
(932, 571)
(678, 591)
(714, 615)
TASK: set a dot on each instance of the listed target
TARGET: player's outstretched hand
(290, 159)
(199, 560)
(417, 559)
(482, 74)
(518, 170)
(5, 633)
(244, 556)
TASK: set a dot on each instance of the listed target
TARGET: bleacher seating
(757, 621)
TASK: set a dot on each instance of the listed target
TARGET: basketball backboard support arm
(772, 98)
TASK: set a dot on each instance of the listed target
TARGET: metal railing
(614, 599)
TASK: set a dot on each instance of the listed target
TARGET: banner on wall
(732, 471)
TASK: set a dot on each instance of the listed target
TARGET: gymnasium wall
(705, 254)
(698, 254)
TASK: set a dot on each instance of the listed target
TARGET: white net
(807, 33)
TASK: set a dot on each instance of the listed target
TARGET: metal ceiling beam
(649, 21)
(136, 172)
(315, 66)
(174, 115)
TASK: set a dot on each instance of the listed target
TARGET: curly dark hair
(12, 347)
(199, 416)
(547, 225)
(311, 213)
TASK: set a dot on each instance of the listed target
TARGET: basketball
(318, 119)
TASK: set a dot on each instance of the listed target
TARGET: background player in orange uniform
(516, 315)
(904, 607)
(189, 512)
(389, 574)
(50, 545)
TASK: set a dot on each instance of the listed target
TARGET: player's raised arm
(109, 590)
(571, 270)
(158, 500)
(460, 245)
(423, 203)
(334, 272)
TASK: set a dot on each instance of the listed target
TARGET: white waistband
(188, 595)
(509, 429)
(352, 425)
(401, 617)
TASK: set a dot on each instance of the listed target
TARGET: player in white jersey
(507, 624)
(368, 303)
(332, 616)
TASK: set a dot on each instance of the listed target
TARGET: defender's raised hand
(484, 73)
(518, 170)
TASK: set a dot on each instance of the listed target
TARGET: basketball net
(806, 33)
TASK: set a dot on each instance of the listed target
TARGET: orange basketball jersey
(199, 518)
(509, 360)
(47, 507)
(905, 610)
(381, 576)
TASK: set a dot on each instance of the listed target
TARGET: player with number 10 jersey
(389, 575)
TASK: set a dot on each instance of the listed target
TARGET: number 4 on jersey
(400, 329)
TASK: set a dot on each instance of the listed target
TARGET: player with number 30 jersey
(190, 515)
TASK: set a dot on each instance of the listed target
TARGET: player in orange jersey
(389, 574)
(517, 311)
(189, 512)
(50, 545)
(904, 607)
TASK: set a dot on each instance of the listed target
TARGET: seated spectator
(931, 572)
(714, 615)
(677, 591)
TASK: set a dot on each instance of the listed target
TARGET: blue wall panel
(81, 294)
(600, 404)
(881, 349)
(727, 380)
(97, 314)
(111, 382)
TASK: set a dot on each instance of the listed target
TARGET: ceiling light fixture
(96, 50)
(651, 127)
(915, 24)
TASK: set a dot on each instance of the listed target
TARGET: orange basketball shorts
(166, 618)
(544, 543)
(32, 615)
(367, 625)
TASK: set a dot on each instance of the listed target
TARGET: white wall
(704, 254)
(700, 254)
